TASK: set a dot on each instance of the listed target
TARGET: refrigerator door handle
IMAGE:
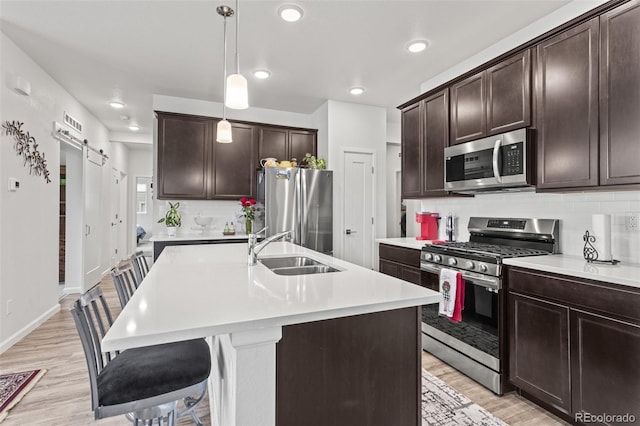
(302, 209)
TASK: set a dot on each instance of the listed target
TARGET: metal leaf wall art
(27, 147)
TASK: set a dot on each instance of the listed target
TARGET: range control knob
(470, 265)
(453, 261)
(437, 258)
(428, 256)
(483, 267)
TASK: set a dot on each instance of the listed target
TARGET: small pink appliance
(428, 225)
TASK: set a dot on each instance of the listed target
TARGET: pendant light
(223, 130)
(237, 96)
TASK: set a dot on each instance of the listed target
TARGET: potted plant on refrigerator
(172, 219)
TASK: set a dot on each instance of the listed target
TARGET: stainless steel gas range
(476, 346)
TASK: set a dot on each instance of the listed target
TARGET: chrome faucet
(255, 248)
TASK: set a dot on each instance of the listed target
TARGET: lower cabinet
(400, 262)
(574, 345)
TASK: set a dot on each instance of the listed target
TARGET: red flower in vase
(248, 207)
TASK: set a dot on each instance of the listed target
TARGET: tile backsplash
(573, 209)
(221, 211)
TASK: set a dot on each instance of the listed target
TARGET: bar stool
(145, 382)
(140, 266)
(125, 282)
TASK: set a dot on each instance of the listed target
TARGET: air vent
(72, 122)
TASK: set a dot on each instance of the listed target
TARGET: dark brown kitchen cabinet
(492, 101)
(285, 144)
(574, 343)
(191, 165)
(605, 355)
(468, 109)
(233, 164)
(508, 87)
(400, 262)
(425, 134)
(411, 149)
(567, 112)
(539, 350)
(620, 95)
(184, 156)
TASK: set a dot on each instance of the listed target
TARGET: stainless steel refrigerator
(300, 200)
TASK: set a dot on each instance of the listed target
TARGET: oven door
(476, 336)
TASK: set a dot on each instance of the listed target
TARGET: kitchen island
(328, 348)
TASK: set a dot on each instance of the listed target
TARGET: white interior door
(92, 247)
(357, 237)
(114, 218)
(123, 223)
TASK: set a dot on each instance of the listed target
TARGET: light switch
(14, 184)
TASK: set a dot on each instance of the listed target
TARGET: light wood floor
(62, 396)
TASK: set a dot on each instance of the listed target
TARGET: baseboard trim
(20, 334)
(72, 290)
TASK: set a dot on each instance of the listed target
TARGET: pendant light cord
(237, 27)
(224, 72)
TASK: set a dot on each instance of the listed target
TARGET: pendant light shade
(224, 132)
(237, 94)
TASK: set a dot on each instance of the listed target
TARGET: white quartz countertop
(194, 236)
(204, 290)
(409, 242)
(575, 266)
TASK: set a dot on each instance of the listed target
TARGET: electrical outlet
(631, 222)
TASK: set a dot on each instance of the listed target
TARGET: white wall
(394, 132)
(29, 217)
(357, 126)
(573, 209)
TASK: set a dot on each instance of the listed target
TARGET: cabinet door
(436, 138)
(605, 354)
(389, 268)
(234, 165)
(509, 94)
(620, 95)
(184, 144)
(567, 110)
(468, 109)
(300, 143)
(539, 349)
(412, 275)
(412, 151)
(273, 143)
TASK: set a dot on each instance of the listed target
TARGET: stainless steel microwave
(493, 163)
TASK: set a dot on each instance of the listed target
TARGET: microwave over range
(492, 163)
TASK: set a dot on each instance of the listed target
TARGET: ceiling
(99, 49)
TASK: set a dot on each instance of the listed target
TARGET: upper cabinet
(184, 156)
(492, 101)
(567, 95)
(193, 166)
(425, 134)
(620, 95)
(286, 144)
(468, 109)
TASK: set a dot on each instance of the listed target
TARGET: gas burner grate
(492, 249)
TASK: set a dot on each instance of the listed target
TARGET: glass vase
(247, 226)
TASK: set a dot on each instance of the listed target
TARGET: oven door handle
(491, 284)
(496, 158)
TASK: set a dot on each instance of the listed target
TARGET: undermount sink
(296, 265)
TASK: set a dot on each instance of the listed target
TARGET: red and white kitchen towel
(452, 291)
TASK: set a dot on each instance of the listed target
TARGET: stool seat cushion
(145, 372)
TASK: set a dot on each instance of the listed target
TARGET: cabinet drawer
(407, 256)
(616, 301)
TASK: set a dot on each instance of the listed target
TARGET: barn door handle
(349, 232)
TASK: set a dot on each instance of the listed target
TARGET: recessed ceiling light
(116, 104)
(290, 12)
(417, 46)
(134, 127)
(356, 90)
(262, 74)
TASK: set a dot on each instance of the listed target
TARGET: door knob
(349, 232)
